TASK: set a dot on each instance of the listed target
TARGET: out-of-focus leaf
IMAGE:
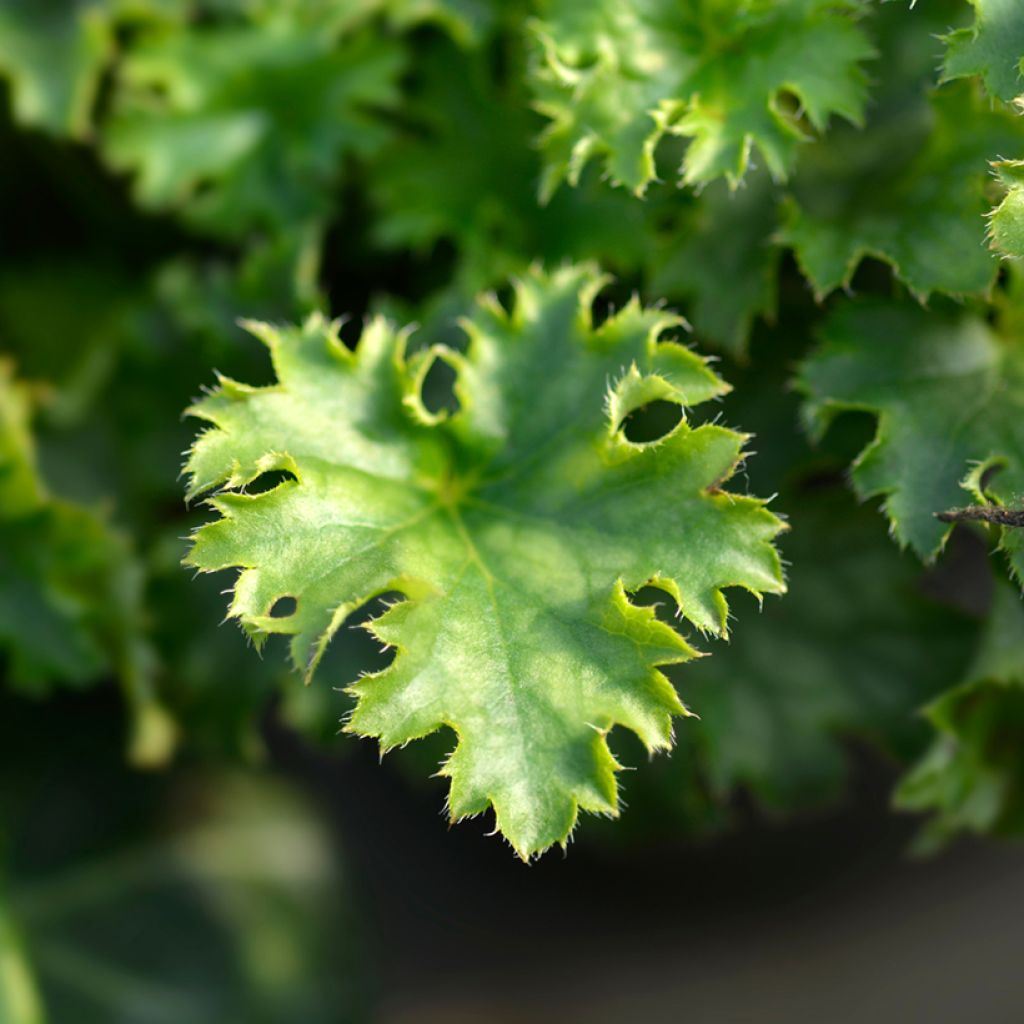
(972, 778)
(913, 192)
(243, 123)
(70, 588)
(733, 76)
(993, 47)
(20, 1002)
(65, 322)
(466, 171)
(778, 701)
(948, 393)
(234, 912)
(54, 54)
(468, 22)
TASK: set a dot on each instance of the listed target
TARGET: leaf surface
(516, 528)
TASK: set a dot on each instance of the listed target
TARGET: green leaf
(970, 779)
(1006, 224)
(70, 590)
(948, 393)
(464, 171)
(515, 527)
(733, 76)
(912, 191)
(242, 124)
(778, 704)
(993, 47)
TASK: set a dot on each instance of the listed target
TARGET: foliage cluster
(528, 492)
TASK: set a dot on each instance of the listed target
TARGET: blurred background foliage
(168, 167)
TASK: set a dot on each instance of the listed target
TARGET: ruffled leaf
(242, 123)
(916, 199)
(516, 528)
(736, 77)
(993, 47)
(948, 394)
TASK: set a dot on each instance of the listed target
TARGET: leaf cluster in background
(794, 177)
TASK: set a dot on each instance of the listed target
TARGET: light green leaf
(912, 192)
(970, 779)
(516, 528)
(1006, 225)
(734, 76)
(948, 392)
(993, 47)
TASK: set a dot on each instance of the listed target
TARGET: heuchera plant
(579, 205)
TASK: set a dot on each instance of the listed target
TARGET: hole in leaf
(353, 651)
(871, 275)
(283, 607)
(962, 578)
(989, 474)
(791, 108)
(422, 759)
(506, 297)
(612, 298)
(438, 390)
(268, 481)
(664, 604)
(652, 421)
(848, 435)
